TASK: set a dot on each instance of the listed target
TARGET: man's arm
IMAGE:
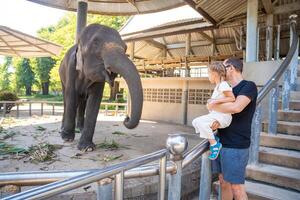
(233, 107)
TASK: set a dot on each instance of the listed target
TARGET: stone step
(295, 95)
(285, 127)
(275, 175)
(291, 115)
(260, 191)
(280, 141)
(281, 157)
(294, 105)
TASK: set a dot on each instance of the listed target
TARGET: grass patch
(42, 152)
(118, 133)
(40, 128)
(39, 97)
(8, 149)
(110, 145)
(77, 130)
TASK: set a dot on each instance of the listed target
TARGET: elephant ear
(79, 60)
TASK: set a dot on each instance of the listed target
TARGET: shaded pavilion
(16, 43)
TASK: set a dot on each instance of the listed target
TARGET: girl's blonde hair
(219, 68)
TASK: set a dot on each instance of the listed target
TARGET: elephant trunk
(121, 64)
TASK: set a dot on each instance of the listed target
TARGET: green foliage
(8, 96)
(24, 73)
(5, 74)
(42, 68)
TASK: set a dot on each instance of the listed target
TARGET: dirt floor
(114, 142)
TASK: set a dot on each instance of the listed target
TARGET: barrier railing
(62, 181)
(53, 105)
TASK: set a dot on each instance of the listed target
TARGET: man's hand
(215, 125)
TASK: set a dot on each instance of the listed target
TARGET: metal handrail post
(255, 136)
(205, 177)
(119, 186)
(162, 177)
(286, 89)
(294, 61)
(273, 109)
(176, 144)
(104, 189)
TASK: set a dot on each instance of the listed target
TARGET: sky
(26, 16)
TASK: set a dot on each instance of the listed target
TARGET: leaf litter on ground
(108, 158)
(118, 133)
(43, 152)
(111, 145)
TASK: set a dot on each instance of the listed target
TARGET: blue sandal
(215, 150)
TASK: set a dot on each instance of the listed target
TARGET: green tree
(5, 74)
(63, 33)
(42, 68)
(24, 75)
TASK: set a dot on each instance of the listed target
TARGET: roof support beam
(268, 6)
(201, 11)
(207, 37)
(200, 43)
(287, 8)
(155, 44)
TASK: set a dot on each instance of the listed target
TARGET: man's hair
(235, 62)
(219, 68)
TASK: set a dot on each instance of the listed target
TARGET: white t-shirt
(219, 89)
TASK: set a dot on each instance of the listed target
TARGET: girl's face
(213, 76)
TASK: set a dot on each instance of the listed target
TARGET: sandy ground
(149, 136)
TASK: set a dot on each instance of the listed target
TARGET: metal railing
(176, 144)
(62, 181)
(273, 86)
(54, 104)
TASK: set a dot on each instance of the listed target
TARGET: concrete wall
(260, 72)
(172, 112)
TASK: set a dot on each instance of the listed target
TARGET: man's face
(228, 68)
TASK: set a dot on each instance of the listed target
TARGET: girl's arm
(229, 97)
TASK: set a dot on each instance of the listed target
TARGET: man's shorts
(232, 163)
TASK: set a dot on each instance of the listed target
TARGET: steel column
(162, 178)
(174, 192)
(255, 135)
(104, 190)
(252, 9)
(277, 46)
(273, 109)
(119, 186)
(205, 177)
(269, 37)
(82, 8)
(286, 89)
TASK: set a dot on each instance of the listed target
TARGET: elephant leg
(80, 113)
(92, 110)
(64, 100)
(68, 128)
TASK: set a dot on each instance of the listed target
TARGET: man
(233, 158)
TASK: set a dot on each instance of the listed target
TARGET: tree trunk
(113, 91)
(45, 88)
(28, 90)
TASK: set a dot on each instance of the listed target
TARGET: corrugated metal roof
(146, 21)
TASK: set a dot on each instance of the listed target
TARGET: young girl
(221, 94)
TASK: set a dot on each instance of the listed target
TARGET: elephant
(98, 57)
